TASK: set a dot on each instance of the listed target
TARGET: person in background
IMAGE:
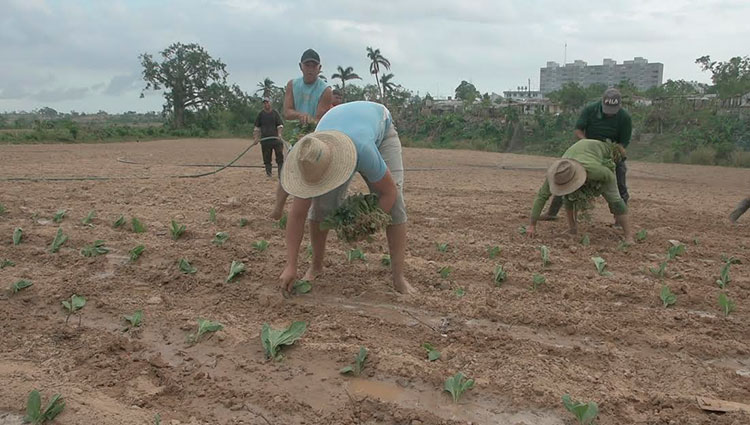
(268, 125)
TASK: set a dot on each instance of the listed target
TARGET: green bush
(740, 159)
(704, 155)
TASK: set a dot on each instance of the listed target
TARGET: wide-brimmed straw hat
(318, 163)
(565, 176)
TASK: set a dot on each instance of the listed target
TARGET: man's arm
(289, 112)
(295, 228)
(580, 134)
(324, 104)
(625, 131)
(386, 190)
(541, 198)
(582, 123)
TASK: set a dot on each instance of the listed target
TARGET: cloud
(56, 95)
(122, 84)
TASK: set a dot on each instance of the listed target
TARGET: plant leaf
(667, 297)
(60, 239)
(273, 339)
(17, 236)
(138, 227)
(545, 255)
(260, 245)
(641, 235)
(185, 266)
(176, 229)
(302, 287)
(385, 260)
(457, 384)
(33, 407)
(136, 252)
(235, 269)
(585, 240)
(90, 216)
(220, 238)
(499, 275)
(18, 286)
(493, 251)
(54, 407)
(135, 318)
(59, 215)
(119, 222)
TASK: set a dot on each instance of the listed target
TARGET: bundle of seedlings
(358, 218)
(582, 200)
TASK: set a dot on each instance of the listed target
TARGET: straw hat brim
(579, 178)
(341, 168)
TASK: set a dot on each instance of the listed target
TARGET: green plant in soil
(585, 413)
(281, 224)
(34, 413)
(212, 215)
(73, 306)
(582, 199)
(243, 222)
(499, 275)
(601, 266)
(134, 319)
(359, 363)
(522, 230)
(385, 260)
(19, 286)
(6, 263)
(185, 266)
(136, 252)
(537, 280)
(220, 238)
(97, 248)
(432, 353)
(726, 304)
(261, 245)
(623, 246)
(355, 254)
(442, 247)
(724, 277)
(235, 269)
(641, 235)
(119, 222)
(445, 271)
(659, 271)
(176, 229)
(274, 339)
(2, 209)
(667, 297)
(59, 240)
(493, 251)
(204, 327)
(137, 226)
(457, 385)
(59, 215)
(675, 251)
(459, 292)
(17, 236)
(301, 287)
(357, 219)
(585, 240)
(90, 216)
(545, 255)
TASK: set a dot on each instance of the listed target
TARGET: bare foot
(312, 274)
(401, 285)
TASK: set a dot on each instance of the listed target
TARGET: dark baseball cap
(611, 101)
(310, 55)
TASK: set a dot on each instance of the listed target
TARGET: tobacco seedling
(235, 269)
(442, 247)
(212, 215)
(641, 235)
(76, 303)
(537, 281)
(667, 297)
(493, 251)
(730, 260)
(585, 413)
(204, 327)
(157, 419)
(34, 413)
(522, 230)
(601, 266)
(176, 229)
(301, 287)
(119, 222)
(136, 252)
(243, 222)
(457, 385)
(545, 255)
(459, 292)
(90, 216)
(18, 286)
(261, 245)
(696, 241)
(274, 339)
(355, 254)
(220, 238)
(97, 248)
(432, 353)
(185, 266)
(659, 271)
(499, 275)
(675, 251)
(585, 240)
(60, 239)
(281, 224)
(385, 260)
(134, 319)
(2, 209)
(445, 271)
(6, 263)
(726, 304)
(623, 246)
(359, 363)
(138, 227)
(59, 215)
(724, 277)
(17, 236)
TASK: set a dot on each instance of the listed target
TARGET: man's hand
(286, 281)
(621, 149)
(530, 231)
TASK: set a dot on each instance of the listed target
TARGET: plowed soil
(606, 339)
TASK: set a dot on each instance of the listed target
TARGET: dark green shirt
(617, 128)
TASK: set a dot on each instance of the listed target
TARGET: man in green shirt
(603, 120)
(586, 168)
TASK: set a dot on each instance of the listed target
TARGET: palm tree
(377, 60)
(345, 75)
(388, 85)
(266, 86)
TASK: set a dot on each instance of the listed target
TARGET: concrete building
(642, 74)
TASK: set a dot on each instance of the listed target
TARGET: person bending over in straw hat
(352, 137)
(585, 170)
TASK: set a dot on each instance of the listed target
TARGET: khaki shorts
(390, 150)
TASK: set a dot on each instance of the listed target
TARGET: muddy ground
(606, 339)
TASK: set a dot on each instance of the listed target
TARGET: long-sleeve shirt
(596, 158)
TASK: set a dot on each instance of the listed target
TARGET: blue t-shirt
(365, 123)
(307, 96)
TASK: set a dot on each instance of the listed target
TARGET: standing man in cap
(352, 137)
(307, 98)
(268, 124)
(587, 163)
(603, 120)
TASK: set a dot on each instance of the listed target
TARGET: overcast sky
(83, 54)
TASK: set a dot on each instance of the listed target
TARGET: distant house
(739, 101)
(441, 106)
(523, 94)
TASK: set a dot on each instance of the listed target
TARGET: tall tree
(377, 60)
(387, 85)
(190, 77)
(345, 74)
(467, 92)
(730, 78)
(267, 86)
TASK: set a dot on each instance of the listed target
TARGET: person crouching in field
(740, 209)
(586, 170)
(352, 137)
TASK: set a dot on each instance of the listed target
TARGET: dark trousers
(622, 187)
(268, 148)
